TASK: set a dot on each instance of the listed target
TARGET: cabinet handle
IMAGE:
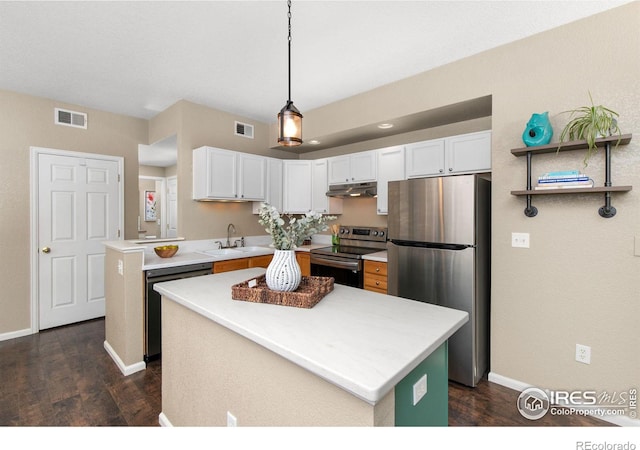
(450, 169)
(441, 170)
(377, 283)
(377, 269)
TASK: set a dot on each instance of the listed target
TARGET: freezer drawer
(446, 278)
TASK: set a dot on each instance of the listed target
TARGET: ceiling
(138, 58)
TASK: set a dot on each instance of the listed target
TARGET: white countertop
(361, 341)
(190, 252)
(377, 256)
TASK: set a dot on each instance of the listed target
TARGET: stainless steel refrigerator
(439, 252)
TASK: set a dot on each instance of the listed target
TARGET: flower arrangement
(291, 235)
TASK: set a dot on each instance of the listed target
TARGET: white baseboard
(164, 420)
(16, 334)
(520, 386)
(126, 370)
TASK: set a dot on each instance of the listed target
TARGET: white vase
(283, 272)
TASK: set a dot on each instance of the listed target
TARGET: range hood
(353, 190)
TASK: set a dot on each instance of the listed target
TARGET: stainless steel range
(343, 262)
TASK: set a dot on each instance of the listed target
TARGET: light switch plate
(520, 240)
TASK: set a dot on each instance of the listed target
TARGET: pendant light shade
(289, 118)
(289, 125)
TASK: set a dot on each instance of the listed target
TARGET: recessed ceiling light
(314, 142)
(385, 126)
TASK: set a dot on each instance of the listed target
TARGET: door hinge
(118, 178)
(118, 233)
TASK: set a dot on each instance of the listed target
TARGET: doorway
(157, 174)
(77, 203)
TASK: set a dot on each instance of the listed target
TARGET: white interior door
(172, 207)
(78, 207)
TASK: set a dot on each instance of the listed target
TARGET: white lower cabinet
(390, 168)
(296, 186)
(320, 185)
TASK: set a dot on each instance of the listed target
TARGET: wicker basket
(310, 291)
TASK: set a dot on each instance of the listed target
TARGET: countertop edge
(369, 394)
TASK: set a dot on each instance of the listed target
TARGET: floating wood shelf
(607, 210)
(593, 190)
(571, 145)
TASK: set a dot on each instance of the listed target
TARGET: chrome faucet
(230, 229)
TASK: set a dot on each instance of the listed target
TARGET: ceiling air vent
(70, 118)
(244, 129)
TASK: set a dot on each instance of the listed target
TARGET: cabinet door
(339, 169)
(296, 195)
(274, 183)
(363, 167)
(221, 174)
(425, 158)
(390, 168)
(230, 265)
(319, 197)
(319, 200)
(469, 152)
(304, 261)
(252, 174)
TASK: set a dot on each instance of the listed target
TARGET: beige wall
(27, 121)
(579, 282)
(196, 126)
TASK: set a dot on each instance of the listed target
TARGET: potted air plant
(589, 123)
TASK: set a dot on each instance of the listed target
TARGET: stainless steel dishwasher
(153, 304)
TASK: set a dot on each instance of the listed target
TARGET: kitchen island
(352, 360)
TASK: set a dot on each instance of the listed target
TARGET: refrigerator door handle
(402, 243)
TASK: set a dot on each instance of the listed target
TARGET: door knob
(46, 249)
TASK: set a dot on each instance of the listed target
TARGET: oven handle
(338, 264)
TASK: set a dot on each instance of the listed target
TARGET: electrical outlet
(520, 240)
(231, 420)
(419, 389)
(583, 354)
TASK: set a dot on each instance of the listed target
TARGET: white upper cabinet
(273, 195)
(296, 188)
(354, 168)
(319, 200)
(465, 153)
(425, 158)
(391, 167)
(469, 152)
(227, 175)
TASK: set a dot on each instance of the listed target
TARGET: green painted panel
(433, 408)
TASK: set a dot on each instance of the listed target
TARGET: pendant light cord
(289, 39)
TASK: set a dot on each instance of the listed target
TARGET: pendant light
(289, 118)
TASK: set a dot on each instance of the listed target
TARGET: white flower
(291, 236)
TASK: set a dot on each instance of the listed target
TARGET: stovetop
(346, 251)
(356, 241)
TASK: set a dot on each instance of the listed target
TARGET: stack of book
(565, 179)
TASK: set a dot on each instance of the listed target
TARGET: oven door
(345, 271)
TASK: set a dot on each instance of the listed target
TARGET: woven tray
(308, 294)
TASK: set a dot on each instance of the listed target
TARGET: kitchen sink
(219, 251)
(255, 248)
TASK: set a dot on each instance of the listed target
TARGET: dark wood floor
(64, 377)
